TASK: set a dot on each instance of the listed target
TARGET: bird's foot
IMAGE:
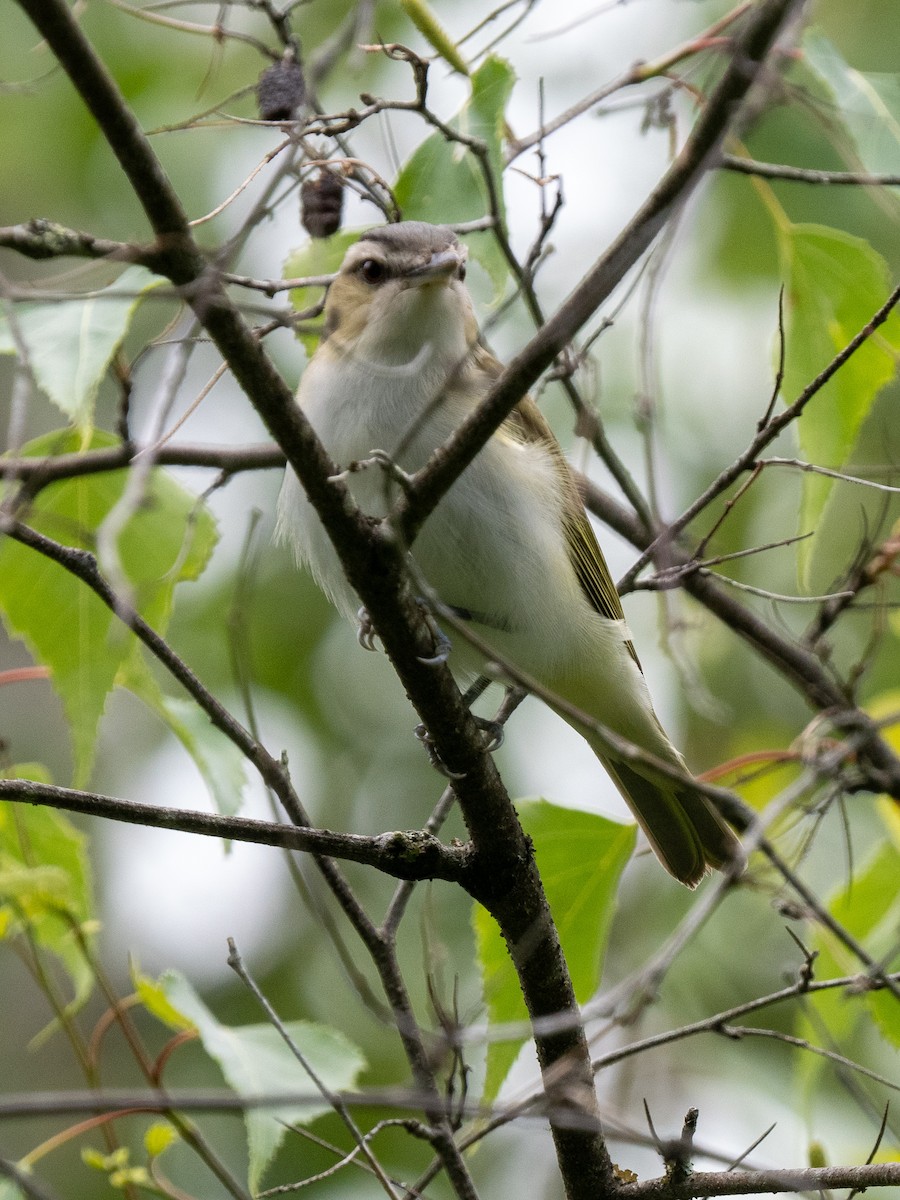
(442, 644)
(365, 635)
(493, 731)
(512, 698)
(495, 727)
(381, 458)
(433, 757)
(376, 458)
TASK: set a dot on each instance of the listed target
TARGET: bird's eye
(372, 271)
(461, 272)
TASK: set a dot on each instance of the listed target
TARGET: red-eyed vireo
(509, 546)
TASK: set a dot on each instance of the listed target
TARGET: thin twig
(747, 460)
(236, 962)
(749, 166)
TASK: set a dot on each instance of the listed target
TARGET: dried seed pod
(281, 90)
(321, 203)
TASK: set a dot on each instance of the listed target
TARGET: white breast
(493, 546)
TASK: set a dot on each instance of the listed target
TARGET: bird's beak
(439, 269)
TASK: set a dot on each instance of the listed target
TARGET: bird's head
(400, 289)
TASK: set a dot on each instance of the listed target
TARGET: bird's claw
(493, 731)
(365, 633)
(493, 741)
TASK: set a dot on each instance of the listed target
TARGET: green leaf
(168, 539)
(835, 283)
(868, 104)
(580, 857)
(434, 33)
(70, 343)
(443, 181)
(219, 761)
(320, 256)
(45, 881)
(256, 1061)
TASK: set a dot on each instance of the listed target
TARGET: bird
(509, 548)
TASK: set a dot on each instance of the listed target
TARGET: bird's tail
(686, 833)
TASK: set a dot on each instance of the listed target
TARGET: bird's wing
(526, 423)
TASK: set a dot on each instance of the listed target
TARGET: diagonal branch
(767, 170)
(794, 661)
(697, 155)
(83, 565)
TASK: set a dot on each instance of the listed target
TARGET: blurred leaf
(9, 1190)
(152, 995)
(98, 1161)
(816, 1155)
(580, 857)
(443, 181)
(65, 626)
(869, 105)
(885, 709)
(158, 1138)
(869, 908)
(434, 33)
(45, 881)
(219, 761)
(835, 283)
(71, 343)
(319, 256)
(256, 1061)
(889, 811)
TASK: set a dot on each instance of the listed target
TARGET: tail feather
(720, 844)
(686, 833)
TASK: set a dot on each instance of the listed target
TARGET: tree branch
(755, 1183)
(275, 774)
(697, 154)
(229, 460)
(796, 663)
(40, 238)
(749, 166)
(770, 428)
(410, 855)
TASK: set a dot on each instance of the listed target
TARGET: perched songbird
(509, 547)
